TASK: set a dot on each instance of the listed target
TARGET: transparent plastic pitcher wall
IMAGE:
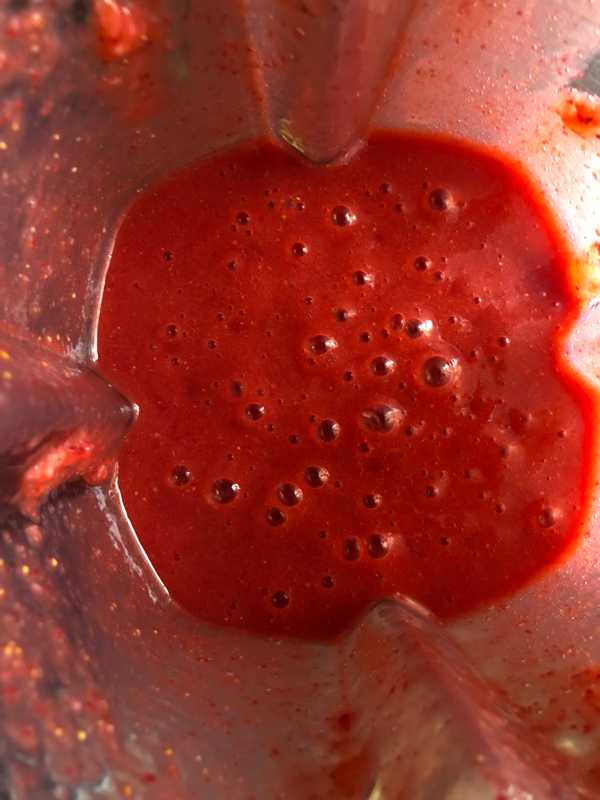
(109, 690)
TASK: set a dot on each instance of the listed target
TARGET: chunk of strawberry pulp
(351, 383)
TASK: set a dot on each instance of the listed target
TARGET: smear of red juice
(350, 381)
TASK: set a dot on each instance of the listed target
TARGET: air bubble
(316, 476)
(294, 439)
(547, 518)
(328, 582)
(415, 328)
(320, 344)
(382, 365)
(289, 494)
(378, 545)
(360, 277)
(275, 516)
(379, 418)
(180, 475)
(254, 411)
(299, 249)
(175, 361)
(231, 266)
(243, 218)
(168, 255)
(431, 491)
(237, 388)
(503, 341)
(212, 344)
(398, 208)
(365, 337)
(440, 200)
(280, 600)
(364, 447)
(397, 322)
(328, 430)
(341, 216)
(348, 376)
(421, 264)
(224, 490)
(385, 188)
(436, 372)
(342, 315)
(372, 500)
(172, 331)
(351, 549)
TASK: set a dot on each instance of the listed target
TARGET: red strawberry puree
(350, 382)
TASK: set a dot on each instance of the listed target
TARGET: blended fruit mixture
(350, 382)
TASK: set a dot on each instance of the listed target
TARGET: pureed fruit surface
(350, 383)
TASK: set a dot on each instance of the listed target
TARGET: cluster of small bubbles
(547, 518)
(320, 344)
(348, 376)
(378, 545)
(364, 447)
(299, 249)
(341, 216)
(328, 430)
(439, 200)
(231, 266)
(237, 388)
(289, 494)
(372, 500)
(280, 600)
(180, 475)
(243, 218)
(415, 328)
(431, 491)
(294, 439)
(421, 264)
(351, 549)
(365, 337)
(436, 372)
(397, 322)
(224, 490)
(379, 418)
(172, 331)
(168, 255)
(382, 365)
(275, 516)
(385, 188)
(328, 582)
(316, 476)
(503, 341)
(360, 277)
(254, 411)
(341, 315)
